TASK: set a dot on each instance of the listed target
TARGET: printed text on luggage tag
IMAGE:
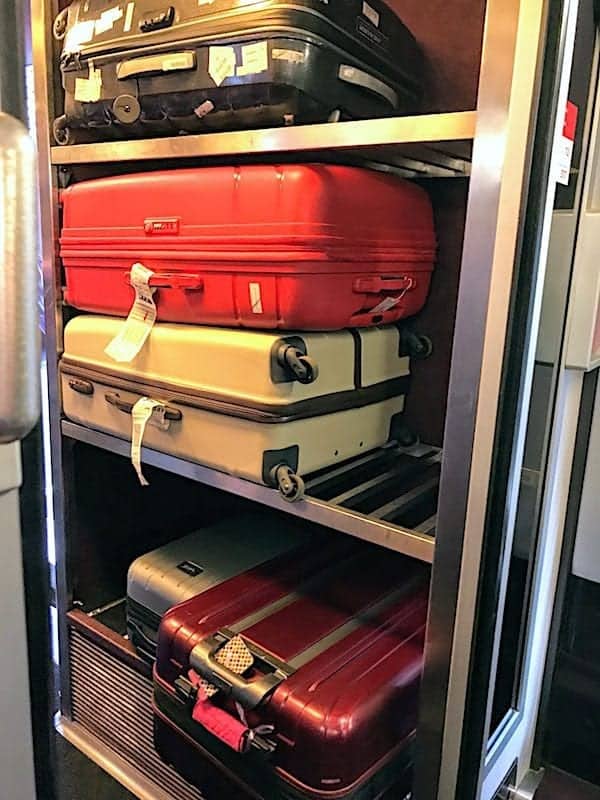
(136, 328)
(144, 411)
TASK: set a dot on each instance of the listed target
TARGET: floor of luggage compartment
(558, 785)
(78, 778)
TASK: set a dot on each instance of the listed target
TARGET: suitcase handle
(164, 62)
(379, 285)
(362, 79)
(173, 280)
(113, 399)
(249, 693)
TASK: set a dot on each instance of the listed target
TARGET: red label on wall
(564, 156)
(570, 121)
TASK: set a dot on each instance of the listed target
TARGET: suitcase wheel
(402, 434)
(290, 485)
(59, 28)
(416, 345)
(62, 133)
(304, 369)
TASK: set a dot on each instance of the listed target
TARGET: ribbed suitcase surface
(135, 69)
(335, 675)
(307, 247)
(191, 565)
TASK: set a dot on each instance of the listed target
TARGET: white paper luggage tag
(89, 90)
(141, 414)
(136, 328)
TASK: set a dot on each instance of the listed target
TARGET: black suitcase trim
(219, 404)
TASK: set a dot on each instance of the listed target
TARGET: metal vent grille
(113, 702)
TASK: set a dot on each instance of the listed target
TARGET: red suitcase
(328, 707)
(306, 247)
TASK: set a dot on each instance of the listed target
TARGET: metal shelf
(434, 145)
(387, 497)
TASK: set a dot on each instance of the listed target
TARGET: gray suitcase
(190, 566)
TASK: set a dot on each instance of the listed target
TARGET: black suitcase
(145, 68)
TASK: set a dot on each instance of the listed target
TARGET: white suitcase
(265, 406)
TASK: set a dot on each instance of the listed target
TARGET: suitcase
(263, 406)
(326, 703)
(297, 247)
(140, 69)
(193, 564)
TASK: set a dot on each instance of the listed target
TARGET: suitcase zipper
(303, 409)
(269, 29)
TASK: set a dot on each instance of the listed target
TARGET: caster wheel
(422, 348)
(403, 436)
(309, 372)
(290, 485)
(62, 133)
(301, 368)
(335, 116)
(59, 28)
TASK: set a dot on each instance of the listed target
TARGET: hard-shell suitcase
(296, 247)
(138, 69)
(302, 681)
(189, 566)
(264, 406)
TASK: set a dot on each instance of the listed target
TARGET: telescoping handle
(114, 399)
(19, 323)
(173, 280)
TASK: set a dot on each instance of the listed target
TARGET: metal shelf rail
(387, 497)
(429, 145)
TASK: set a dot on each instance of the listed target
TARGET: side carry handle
(172, 280)
(151, 65)
(378, 285)
(114, 399)
(362, 79)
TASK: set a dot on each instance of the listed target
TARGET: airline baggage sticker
(107, 19)
(144, 411)
(221, 63)
(255, 59)
(128, 17)
(89, 90)
(80, 34)
(136, 328)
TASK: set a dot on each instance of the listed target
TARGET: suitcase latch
(157, 20)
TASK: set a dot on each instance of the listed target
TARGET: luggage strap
(251, 693)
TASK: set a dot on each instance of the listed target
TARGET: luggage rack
(388, 496)
(428, 145)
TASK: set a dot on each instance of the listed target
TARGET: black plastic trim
(261, 413)
(273, 458)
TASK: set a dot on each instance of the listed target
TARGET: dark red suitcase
(305, 247)
(329, 707)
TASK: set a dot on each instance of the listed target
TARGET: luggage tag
(89, 90)
(143, 412)
(136, 328)
(234, 655)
